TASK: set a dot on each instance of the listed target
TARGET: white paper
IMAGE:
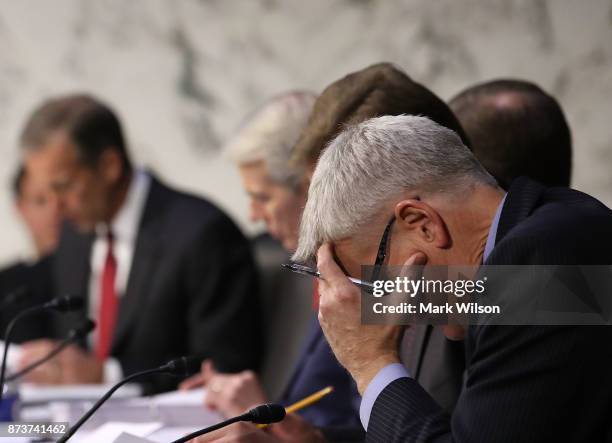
(165, 435)
(193, 397)
(34, 393)
(109, 432)
(129, 438)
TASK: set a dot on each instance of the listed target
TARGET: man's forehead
(32, 183)
(57, 151)
(255, 174)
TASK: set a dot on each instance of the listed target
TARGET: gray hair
(372, 163)
(269, 134)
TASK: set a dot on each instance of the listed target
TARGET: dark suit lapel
(144, 262)
(521, 200)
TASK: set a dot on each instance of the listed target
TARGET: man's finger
(192, 382)
(36, 345)
(208, 371)
(416, 259)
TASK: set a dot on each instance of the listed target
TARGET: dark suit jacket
(33, 280)
(317, 368)
(192, 287)
(523, 383)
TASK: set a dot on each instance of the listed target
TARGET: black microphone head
(66, 303)
(183, 367)
(84, 328)
(266, 414)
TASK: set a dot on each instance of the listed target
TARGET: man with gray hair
(261, 149)
(414, 182)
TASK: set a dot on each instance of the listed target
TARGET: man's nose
(59, 205)
(255, 214)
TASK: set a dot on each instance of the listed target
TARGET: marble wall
(183, 73)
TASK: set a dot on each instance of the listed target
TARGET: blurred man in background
(163, 273)
(27, 281)
(39, 209)
(380, 89)
(261, 149)
(515, 129)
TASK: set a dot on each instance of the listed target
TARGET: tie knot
(110, 239)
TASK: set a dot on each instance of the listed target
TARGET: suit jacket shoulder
(556, 226)
(184, 215)
(192, 287)
(524, 383)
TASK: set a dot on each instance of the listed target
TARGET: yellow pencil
(311, 399)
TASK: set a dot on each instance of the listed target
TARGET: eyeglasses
(382, 250)
(380, 260)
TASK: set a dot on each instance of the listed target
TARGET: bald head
(516, 129)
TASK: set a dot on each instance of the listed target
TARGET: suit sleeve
(34, 282)
(522, 386)
(523, 383)
(224, 312)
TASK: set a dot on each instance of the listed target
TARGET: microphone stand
(243, 417)
(262, 414)
(73, 336)
(7, 340)
(182, 366)
(105, 397)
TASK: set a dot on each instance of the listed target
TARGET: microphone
(263, 415)
(81, 331)
(15, 295)
(266, 414)
(66, 303)
(60, 304)
(181, 367)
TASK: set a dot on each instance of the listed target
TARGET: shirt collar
(493, 231)
(127, 220)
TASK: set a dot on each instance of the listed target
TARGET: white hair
(270, 132)
(370, 164)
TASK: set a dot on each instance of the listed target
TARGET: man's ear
(424, 221)
(110, 165)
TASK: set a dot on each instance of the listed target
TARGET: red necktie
(108, 303)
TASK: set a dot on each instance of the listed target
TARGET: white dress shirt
(125, 231)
